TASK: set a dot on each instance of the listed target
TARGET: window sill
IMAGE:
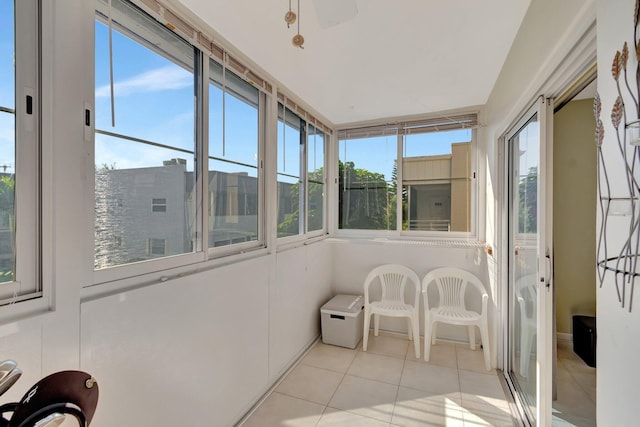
(33, 310)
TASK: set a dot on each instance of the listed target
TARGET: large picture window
(145, 138)
(19, 168)
(433, 178)
(177, 147)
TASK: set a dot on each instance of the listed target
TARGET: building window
(19, 169)
(234, 159)
(433, 180)
(147, 146)
(157, 247)
(158, 205)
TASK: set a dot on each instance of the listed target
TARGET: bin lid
(345, 304)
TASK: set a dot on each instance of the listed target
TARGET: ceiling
(393, 58)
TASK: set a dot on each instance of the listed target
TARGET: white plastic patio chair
(452, 285)
(393, 280)
(527, 296)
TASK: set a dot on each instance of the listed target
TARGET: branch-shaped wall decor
(623, 263)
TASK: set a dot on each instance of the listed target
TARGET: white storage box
(342, 320)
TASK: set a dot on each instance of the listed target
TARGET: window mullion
(202, 151)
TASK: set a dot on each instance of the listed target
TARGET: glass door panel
(529, 335)
(523, 185)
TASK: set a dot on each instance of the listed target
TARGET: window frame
(200, 252)
(304, 233)
(398, 232)
(239, 247)
(27, 283)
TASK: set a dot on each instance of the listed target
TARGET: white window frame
(201, 253)
(398, 233)
(28, 202)
(304, 234)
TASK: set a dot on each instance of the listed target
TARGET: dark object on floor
(585, 338)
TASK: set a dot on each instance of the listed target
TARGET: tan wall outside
(460, 186)
(574, 212)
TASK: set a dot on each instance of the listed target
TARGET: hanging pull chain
(113, 107)
(224, 96)
(284, 134)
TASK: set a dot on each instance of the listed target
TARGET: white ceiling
(394, 58)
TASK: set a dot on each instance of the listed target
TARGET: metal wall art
(623, 262)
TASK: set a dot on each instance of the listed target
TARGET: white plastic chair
(393, 279)
(452, 285)
(527, 295)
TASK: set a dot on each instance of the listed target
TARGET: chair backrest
(452, 284)
(527, 295)
(393, 279)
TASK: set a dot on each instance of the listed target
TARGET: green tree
(365, 199)
(7, 224)
(528, 202)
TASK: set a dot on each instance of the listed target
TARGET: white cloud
(165, 78)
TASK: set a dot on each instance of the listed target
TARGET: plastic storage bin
(342, 320)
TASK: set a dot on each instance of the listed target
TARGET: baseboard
(562, 337)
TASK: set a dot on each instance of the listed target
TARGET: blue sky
(378, 154)
(7, 85)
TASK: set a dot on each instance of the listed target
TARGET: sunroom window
(301, 175)
(433, 178)
(19, 168)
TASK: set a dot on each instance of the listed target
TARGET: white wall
(618, 329)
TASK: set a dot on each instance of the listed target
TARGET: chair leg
(433, 333)
(376, 324)
(365, 332)
(409, 328)
(486, 346)
(416, 336)
(472, 336)
(525, 352)
(428, 326)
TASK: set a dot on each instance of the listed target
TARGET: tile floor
(386, 386)
(576, 403)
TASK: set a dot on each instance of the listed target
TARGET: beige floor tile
(567, 420)
(482, 388)
(311, 383)
(471, 360)
(442, 354)
(377, 367)
(573, 400)
(427, 377)
(279, 410)
(477, 414)
(365, 397)
(387, 346)
(337, 418)
(330, 357)
(422, 408)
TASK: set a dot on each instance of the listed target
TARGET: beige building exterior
(439, 190)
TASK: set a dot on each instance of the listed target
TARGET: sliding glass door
(528, 350)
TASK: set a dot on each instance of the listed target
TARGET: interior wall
(574, 214)
(618, 328)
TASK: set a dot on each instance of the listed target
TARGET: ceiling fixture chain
(290, 18)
